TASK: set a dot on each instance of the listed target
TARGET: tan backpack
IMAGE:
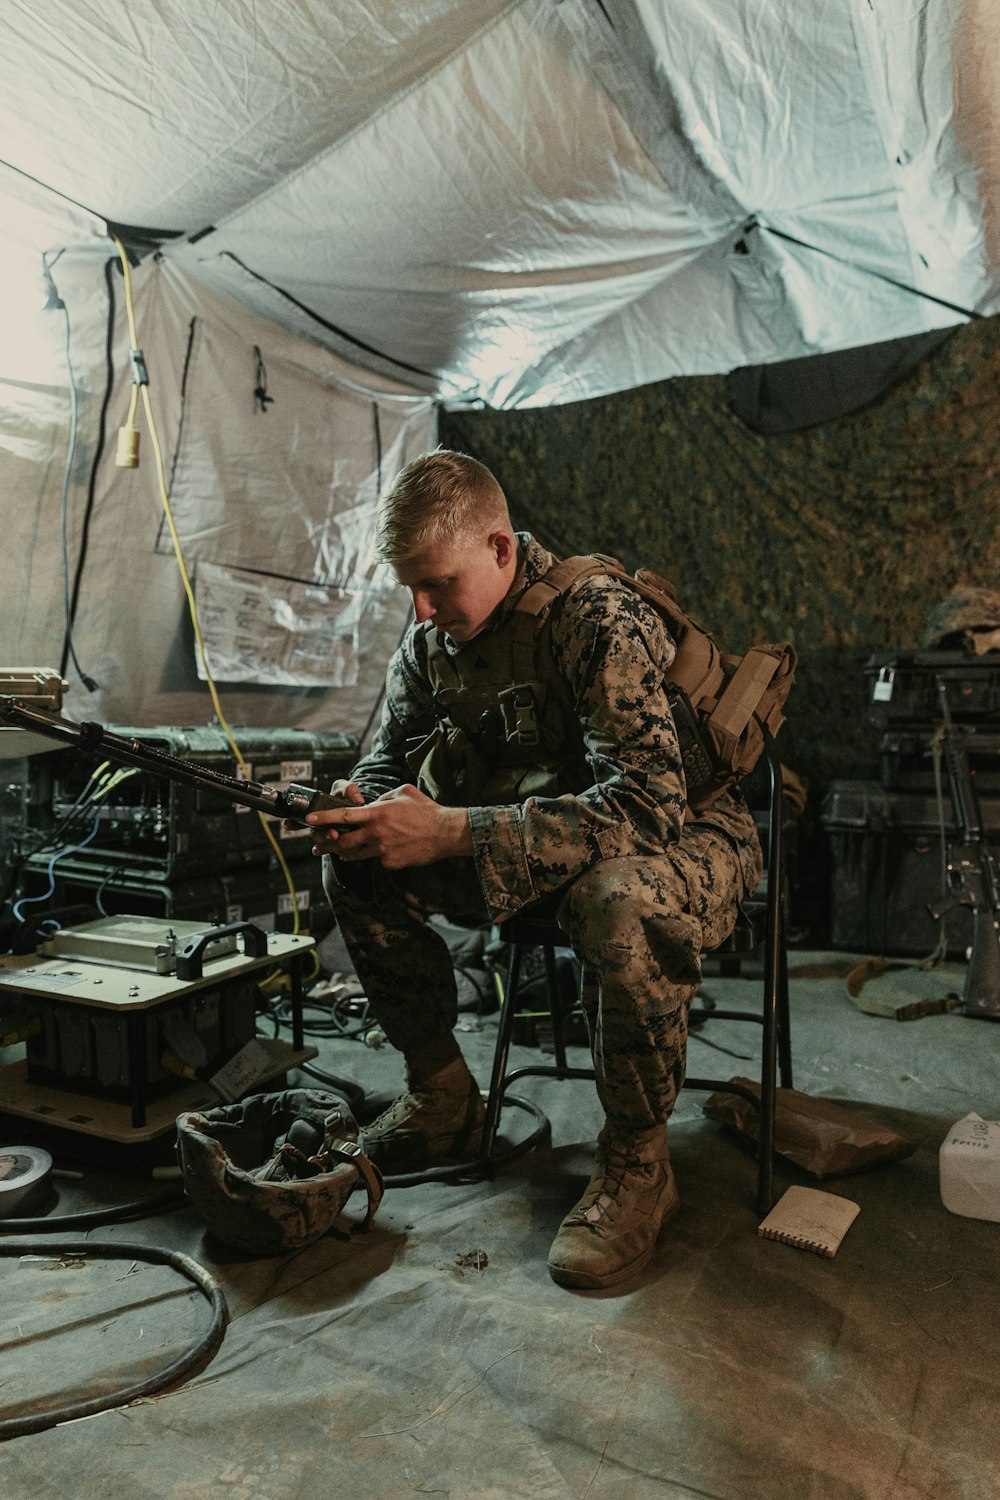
(724, 706)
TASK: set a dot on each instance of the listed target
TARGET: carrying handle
(190, 957)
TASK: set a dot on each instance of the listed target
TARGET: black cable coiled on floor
(197, 1354)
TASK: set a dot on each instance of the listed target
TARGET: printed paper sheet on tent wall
(278, 528)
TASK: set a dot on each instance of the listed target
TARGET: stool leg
(505, 1028)
(774, 945)
(555, 1007)
(784, 1017)
(768, 1083)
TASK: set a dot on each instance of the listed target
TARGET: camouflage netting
(841, 537)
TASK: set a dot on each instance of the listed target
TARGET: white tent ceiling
(519, 202)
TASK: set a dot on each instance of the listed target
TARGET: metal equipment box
(907, 762)
(887, 867)
(259, 894)
(128, 1021)
(903, 687)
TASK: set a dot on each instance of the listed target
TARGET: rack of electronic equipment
(142, 910)
(80, 829)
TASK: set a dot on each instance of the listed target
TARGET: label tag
(249, 1066)
(302, 901)
(296, 770)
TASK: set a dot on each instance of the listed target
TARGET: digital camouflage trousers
(638, 926)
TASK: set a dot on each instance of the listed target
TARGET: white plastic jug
(969, 1162)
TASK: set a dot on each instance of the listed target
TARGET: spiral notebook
(810, 1220)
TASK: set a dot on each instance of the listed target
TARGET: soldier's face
(459, 588)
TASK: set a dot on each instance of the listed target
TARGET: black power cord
(93, 1218)
(195, 1355)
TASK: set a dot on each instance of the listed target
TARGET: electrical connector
(137, 360)
(127, 449)
(19, 1027)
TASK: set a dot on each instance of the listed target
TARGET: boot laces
(420, 1102)
(401, 1108)
(615, 1164)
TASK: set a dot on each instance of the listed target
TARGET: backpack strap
(537, 600)
(562, 576)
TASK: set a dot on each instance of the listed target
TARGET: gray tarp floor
(434, 1356)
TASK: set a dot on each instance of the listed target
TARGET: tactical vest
(504, 722)
(505, 727)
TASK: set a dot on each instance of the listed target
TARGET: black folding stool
(760, 923)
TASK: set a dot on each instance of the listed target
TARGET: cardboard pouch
(823, 1138)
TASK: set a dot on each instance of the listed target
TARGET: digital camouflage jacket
(606, 778)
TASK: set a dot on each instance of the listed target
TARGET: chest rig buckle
(520, 718)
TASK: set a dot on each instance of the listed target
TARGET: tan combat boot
(440, 1117)
(611, 1233)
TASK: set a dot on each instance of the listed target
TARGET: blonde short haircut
(439, 497)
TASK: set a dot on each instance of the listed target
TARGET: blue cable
(59, 854)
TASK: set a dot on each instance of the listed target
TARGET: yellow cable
(129, 305)
(186, 580)
(97, 776)
(110, 782)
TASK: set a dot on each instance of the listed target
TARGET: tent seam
(397, 98)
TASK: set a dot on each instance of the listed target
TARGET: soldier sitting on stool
(527, 755)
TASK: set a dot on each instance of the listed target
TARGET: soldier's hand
(350, 793)
(401, 828)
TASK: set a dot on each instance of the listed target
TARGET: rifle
(972, 874)
(292, 803)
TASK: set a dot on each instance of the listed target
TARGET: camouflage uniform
(596, 831)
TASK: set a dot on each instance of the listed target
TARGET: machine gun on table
(973, 875)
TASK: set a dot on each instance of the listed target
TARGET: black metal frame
(760, 923)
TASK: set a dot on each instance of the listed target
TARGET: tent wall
(274, 450)
(840, 536)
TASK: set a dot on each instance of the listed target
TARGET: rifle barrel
(90, 736)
